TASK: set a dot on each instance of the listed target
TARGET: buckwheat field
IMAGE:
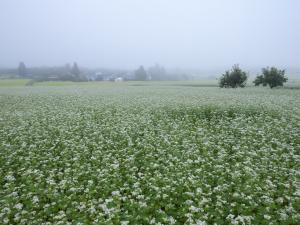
(149, 154)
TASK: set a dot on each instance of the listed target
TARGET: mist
(125, 34)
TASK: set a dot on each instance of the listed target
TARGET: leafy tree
(271, 76)
(233, 78)
(75, 70)
(259, 80)
(22, 70)
(157, 72)
(140, 74)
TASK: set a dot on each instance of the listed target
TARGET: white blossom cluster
(149, 155)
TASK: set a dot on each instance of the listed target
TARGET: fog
(191, 34)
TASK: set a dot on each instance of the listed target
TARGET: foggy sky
(129, 33)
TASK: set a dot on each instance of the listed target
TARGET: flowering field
(153, 154)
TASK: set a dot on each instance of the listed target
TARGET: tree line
(233, 78)
(67, 72)
(74, 73)
(236, 77)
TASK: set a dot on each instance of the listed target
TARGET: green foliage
(140, 74)
(148, 155)
(233, 78)
(271, 76)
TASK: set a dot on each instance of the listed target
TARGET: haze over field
(149, 112)
(125, 34)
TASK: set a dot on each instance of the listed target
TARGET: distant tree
(271, 76)
(233, 78)
(140, 74)
(75, 70)
(22, 70)
(157, 72)
(67, 67)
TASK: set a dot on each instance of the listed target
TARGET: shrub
(233, 78)
(272, 77)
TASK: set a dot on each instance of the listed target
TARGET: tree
(22, 71)
(271, 76)
(67, 68)
(75, 70)
(157, 72)
(233, 78)
(140, 74)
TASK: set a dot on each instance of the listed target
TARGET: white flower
(267, 217)
(10, 178)
(115, 193)
(172, 220)
(200, 222)
(5, 220)
(124, 222)
(35, 199)
(19, 206)
(194, 209)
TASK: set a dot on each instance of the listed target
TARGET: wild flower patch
(149, 155)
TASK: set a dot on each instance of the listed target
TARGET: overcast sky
(128, 33)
